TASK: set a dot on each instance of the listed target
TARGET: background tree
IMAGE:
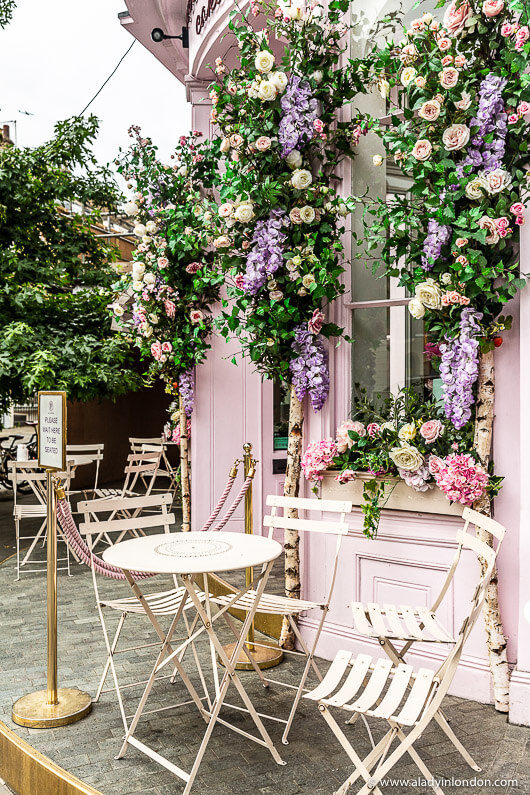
(55, 275)
(6, 12)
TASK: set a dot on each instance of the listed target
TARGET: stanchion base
(265, 657)
(34, 711)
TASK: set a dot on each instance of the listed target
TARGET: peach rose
(448, 77)
(465, 102)
(430, 110)
(492, 234)
(295, 215)
(461, 242)
(492, 8)
(460, 61)
(263, 143)
(431, 430)
(455, 137)
(444, 44)
(456, 16)
(422, 149)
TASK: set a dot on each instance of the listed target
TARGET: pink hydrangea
(344, 441)
(318, 457)
(461, 479)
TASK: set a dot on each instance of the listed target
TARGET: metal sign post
(54, 706)
(266, 654)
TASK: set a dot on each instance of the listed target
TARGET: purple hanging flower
(459, 368)
(491, 118)
(266, 255)
(299, 113)
(186, 389)
(309, 370)
(437, 236)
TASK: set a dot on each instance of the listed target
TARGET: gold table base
(34, 711)
(265, 657)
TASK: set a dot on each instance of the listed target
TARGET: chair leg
(441, 720)
(17, 538)
(248, 653)
(420, 764)
(112, 651)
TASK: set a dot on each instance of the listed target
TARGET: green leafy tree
(6, 12)
(56, 275)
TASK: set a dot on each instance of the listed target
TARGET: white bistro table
(190, 555)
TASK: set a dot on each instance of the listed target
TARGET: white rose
(150, 227)
(267, 91)
(278, 80)
(474, 189)
(492, 233)
(430, 110)
(301, 179)
(407, 432)
(407, 75)
(317, 77)
(253, 90)
(416, 308)
(407, 457)
(146, 239)
(153, 319)
(138, 270)
(465, 102)
(446, 278)
(147, 331)
(307, 214)
(225, 145)
(137, 286)
(294, 159)
(244, 213)
(496, 181)
(377, 160)
(131, 208)
(118, 310)
(384, 88)
(139, 230)
(183, 171)
(343, 210)
(429, 294)
(149, 278)
(264, 61)
(455, 137)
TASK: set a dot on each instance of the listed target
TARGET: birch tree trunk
(184, 468)
(496, 641)
(291, 489)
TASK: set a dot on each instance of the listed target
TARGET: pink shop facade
(409, 560)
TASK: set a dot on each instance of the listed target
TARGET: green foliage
(6, 11)
(55, 274)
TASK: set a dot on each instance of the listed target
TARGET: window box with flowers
(402, 456)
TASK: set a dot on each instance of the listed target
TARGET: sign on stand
(52, 430)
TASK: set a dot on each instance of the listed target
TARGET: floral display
(408, 439)
(459, 368)
(280, 216)
(172, 282)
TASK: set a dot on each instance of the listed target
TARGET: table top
(192, 553)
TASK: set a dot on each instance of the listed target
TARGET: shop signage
(52, 430)
(204, 15)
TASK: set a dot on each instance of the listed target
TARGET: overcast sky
(54, 56)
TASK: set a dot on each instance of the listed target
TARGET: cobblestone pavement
(315, 762)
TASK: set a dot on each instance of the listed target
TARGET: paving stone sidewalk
(232, 765)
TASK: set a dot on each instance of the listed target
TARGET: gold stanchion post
(269, 654)
(46, 709)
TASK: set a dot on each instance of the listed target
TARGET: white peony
(429, 293)
(244, 213)
(294, 159)
(301, 179)
(416, 308)
(267, 92)
(264, 61)
(137, 286)
(278, 80)
(407, 457)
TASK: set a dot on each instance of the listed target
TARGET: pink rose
(196, 315)
(523, 34)
(445, 300)
(502, 223)
(345, 476)
(444, 44)
(167, 347)
(318, 125)
(156, 351)
(422, 149)
(519, 220)
(236, 140)
(449, 77)
(461, 242)
(170, 308)
(490, 226)
(163, 262)
(315, 324)
(506, 29)
(492, 8)
(523, 108)
(430, 110)
(263, 143)
(503, 233)
(435, 464)
(462, 260)
(193, 267)
(447, 60)
(464, 300)
(513, 118)
(373, 428)
(455, 137)
(453, 297)
(239, 281)
(245, 245)
(344, 440)
(456, 16)
(460, 61)
(517, 208)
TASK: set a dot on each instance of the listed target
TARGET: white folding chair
(29, 474)
(160, 603)
(139, 465)
(165, 469)
(392, 690)
(86, 454)
(286, 606)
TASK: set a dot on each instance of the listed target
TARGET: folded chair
(28, 474)
(165, 469)
(285, 606)
(86, 454)
(391, 689)
(160, 603)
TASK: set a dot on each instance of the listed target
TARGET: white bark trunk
(184, 469)
(496, 641)
(291, 489)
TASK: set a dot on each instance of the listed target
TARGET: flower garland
(299, 115)
(459, 368)
(309, 370)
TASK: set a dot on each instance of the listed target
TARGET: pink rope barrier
(244, 488)
(228, 488)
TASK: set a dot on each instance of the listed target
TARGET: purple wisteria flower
(491, 118)
(186, 389)
(309, 370)
(299, 112)
(459, 368)
(437, 236)
(418, 479)
(266, 255)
